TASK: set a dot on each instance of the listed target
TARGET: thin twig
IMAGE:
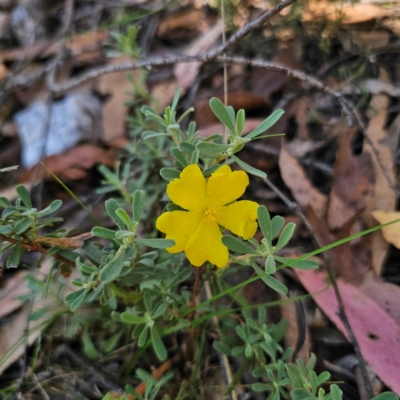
(38, 249)
(294, 207)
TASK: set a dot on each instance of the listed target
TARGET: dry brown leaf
(384, 198)
(3, 71)
(348, 14)
(186, 73)
(74, 163)
(392, 232)
(74, 242)
(296, 180)
(114, 110)
(164, 93)
(353, 183)
(191, 19)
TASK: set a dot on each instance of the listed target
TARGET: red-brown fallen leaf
(376, 331)
(73, 164)
(353, 183)
(295, 178)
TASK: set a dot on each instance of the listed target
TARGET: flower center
(210, 214)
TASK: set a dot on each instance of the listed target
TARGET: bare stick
(294, 207)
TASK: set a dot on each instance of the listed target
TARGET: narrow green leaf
(301, 394)
(274, 284)
(149, 134)
(276, 225)
(301, 264)
(74, 305)
(179, 156)
(24, 194)
(138, 204)
(169, 173)
(223, 348)
(212, 148)
(23, 225)
(261, 387)
(112, 270)
(195, 157)
(158, 345)
(54, 206)
(132, 318)
(286, 235)
(143, 336)
(221, 113)
(264, 220)
(160, 311)
(237, 245)
(111, 207)
(210, 170)
(15, 256)
(104, 233)
(294, 375)
(270, 266)
(251, 170)
(266, 124)
(124, 217)
(176, 99)
(156, 243)
(4, 202)
(187, 148)
(240, 120)
(382, 396)
(8, 211)
(93, 252)
(156, 118)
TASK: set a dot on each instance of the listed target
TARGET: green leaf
(237, 245)
(138, 204)
(156, 243)
(156, 118)
(240, 120)
(301, 394)
(124, 217)
(23, 225)
(179, 156)
(158, 345)
(176, 99)
(159, 311)
(15, 256)
(187, 148)
(54, 206)
(169, 173)
(276, 225)
(149, 134)
(261, 387)
(301, 264)
(4, 202)
(221, 113)
(212, 148)
(105, 233)
(5, 229)
(111, 207)
(92, 251)
(274, 284)
(336, 393)
(143, 336)
(264, 220)
(78, 300)
(112, 269)
(294, 375)
(251, 170)
(132, 318)
(7, 212)
(266, 124)
(286, 235)
(270, 266)
(195, 157)
(24, 194)
(210, 170)
(223, 348)
(382, 396)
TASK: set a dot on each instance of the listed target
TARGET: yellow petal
(225, 186)
(239, 217)
(205, 245)
(189, 190)
(178, 226)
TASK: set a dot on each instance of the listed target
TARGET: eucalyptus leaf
(221, 113)
(251, 170)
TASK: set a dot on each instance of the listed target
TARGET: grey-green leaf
(276, 225)
(23, 225)
(169, 173)
(286, 235)
(158, 345)
(24, 194)
(266, 124)
(212, 148)
(240, 120)
(132, 318)
(237, 245)
(248, 168)
(179, 156)
(274, 284)
(264, 220)
(124, 217)
(156, 243)
(112, 270)
(138, 204)
(270, 265)
(111, 207)
(221, 113)
(15, 256)
(149, 134)
(105, 233)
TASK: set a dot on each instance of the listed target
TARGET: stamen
(210, 214)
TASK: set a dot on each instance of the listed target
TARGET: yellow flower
(210, 203)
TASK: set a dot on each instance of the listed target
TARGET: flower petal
(189, 190)
(178, 226)
(206, 245)
(239, 217)
(225, 186)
